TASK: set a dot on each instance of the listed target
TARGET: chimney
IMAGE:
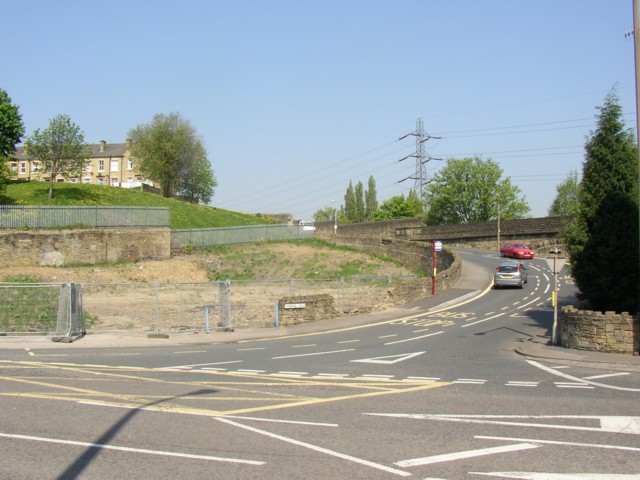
(103, 144)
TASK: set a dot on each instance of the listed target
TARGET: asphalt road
(430, 393)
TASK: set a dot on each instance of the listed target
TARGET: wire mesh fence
(185, 307)
(29, 309)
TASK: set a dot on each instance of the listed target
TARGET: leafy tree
(566, 202)
(61, 149)
(348, 212)
(371, 200)
(471, 191)
(198, 180)
(360, 208)
(325, 214)
(602, 241)
(169, 151)
(398, 207)
(414, 200)
(11, 132)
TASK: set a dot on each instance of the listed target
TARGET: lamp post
(335, 218)
(555, 264)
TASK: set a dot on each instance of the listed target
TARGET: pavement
(473, 283)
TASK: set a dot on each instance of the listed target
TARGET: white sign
(559, 261)
(295, 305)
(438, 245)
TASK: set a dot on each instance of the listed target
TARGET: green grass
(183, 214)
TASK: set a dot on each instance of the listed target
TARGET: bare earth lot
(174, 294)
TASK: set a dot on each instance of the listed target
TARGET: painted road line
(557, 442)
(476, 381)
(559, 476)
(483, 320)
(189, 351)
(450, 457)
(389, 359)
(349, 341)
(522, 384)
(290, 374)
(423, 379)
(331, 375)
(414, 338)
(316, 448)
(313, 354)
(305, 346)
(194, 365)
(249, 371)
(130, 450)
(607, 375)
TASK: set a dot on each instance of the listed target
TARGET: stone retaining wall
(607, 332)
(44, 247)
(305, 309)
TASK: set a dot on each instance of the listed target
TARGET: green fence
(18, 217)
(208, 237)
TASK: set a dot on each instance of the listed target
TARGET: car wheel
(521, 284)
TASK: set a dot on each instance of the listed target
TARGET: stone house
(109, 164)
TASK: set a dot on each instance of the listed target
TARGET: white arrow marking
(448, 457)
(389, 360)
(558, 476)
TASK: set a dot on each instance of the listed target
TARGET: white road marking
(557, 442)
(423, 379)
(450, 457)
(130, 450)
(476, 381)
(349, 341)
(305, 346)
(483, 320)
(611, 424)
(290, 374)
(317, 448)
(189, 351)
(559, 476)
(389, 360)
(522, 384)
(198, 365)
(332, 375)
(312, 354)
(606, 375)
(249, 371)
(414, 338)
(580, 380)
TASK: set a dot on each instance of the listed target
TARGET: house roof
(108, 150)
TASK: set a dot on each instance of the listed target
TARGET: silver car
(510, 274)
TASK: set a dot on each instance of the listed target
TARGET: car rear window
(507, 268)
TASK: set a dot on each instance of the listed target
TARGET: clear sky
(295, 98)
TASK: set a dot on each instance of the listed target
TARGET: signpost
(437, 247)
(555, 264)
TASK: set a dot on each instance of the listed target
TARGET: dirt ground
(266, 261)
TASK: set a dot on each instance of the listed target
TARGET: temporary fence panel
(70, 315)
(29, 308)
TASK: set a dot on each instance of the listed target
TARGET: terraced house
(109, 164)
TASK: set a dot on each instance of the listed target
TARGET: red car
(516, 250)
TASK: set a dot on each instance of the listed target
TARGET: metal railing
(208, 237)
(20, 216)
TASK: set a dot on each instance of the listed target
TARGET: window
(114, 165)
(73, 180)
(114, 182)
(86, 179)
(101, 165)
(23, 167)
(130, 164)
(36, 167)
(14, 167)
(87, 167)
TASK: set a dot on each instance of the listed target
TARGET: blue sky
(295, 98)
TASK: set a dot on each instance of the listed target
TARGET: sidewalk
(474, 281)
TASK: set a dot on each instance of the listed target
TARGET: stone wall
(58, 248)
(305, 308)
(608, 332)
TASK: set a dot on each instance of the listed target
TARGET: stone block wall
(305, 309)
(44, 247)
(607, 332)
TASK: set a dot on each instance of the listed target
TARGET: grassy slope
(183, 214)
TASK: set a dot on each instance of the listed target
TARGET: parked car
(516, 250)
(510, 274)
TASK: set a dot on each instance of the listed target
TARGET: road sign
(437, 245)
(559, 263)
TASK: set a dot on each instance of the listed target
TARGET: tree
(398, 207)
(471, 191)
(60, 148)
(566, 202)
(370, 200)
(602, 241)
(360, 209)
(348, 212)
(11, 132)
(325, 214)
(169, 151)
(198, 180)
